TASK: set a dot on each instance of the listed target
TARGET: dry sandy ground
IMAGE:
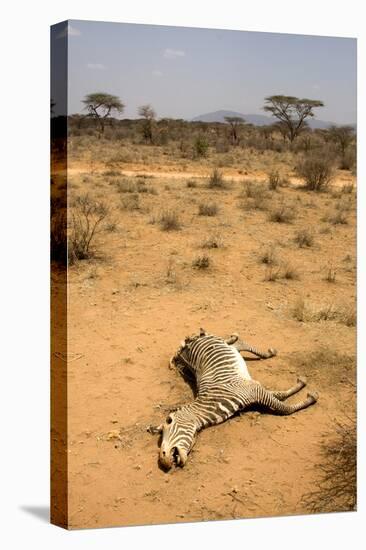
(127, 315)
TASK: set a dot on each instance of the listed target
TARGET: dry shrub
(283, 271)
(214, 241)
(216, 180)
(347, 188)
(130, 202)
(125, 186)
(269, 255)
(289, 272)
(303, 311)
(191, 184)
(317, 170)
(338, 217)
(282, 213)
(254, 190)
(169, 221)
(337, 484)
(254, 196)
(201, 262)
(111, 227)
(304, 238)
(86, 216)
(275, 180)
(128, 186)
(272, 273)
(208, 209)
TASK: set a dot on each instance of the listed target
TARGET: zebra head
(178, 437)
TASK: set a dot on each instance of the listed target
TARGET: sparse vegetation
(317, 170)
(337, 471)
(289, 272)
(282, 213)
(216, 180)
(331, 275)
(304, 238)
(201, 262)
(201, 146)
(272, 273)
(338, 217)
(130, 202)
(208, 209)
(254, 196)
(87, 216)
(214, 241)
(274, 180)
(269, 256)
(304, 312)
(169, 221)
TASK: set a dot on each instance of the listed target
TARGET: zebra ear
(202, 332)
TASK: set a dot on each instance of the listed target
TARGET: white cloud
(169, 53)
(71, 31)
(96, 66)
(157, 73)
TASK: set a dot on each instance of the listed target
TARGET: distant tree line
(195, 138)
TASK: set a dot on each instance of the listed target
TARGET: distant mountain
(258, 120)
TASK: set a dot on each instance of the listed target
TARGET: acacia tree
(291, 112)
(149, 115)
(100, 106)
(234, 122)
(342, 136)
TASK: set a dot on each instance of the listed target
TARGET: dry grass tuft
(282, 214)
(304, 238)
(269, 256)
(305, 312)
(216, 180)
(130, 202)
(214, 241)
(201, 262)
(208, 209)
(169, 221)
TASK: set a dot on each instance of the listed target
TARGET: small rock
(113, 434)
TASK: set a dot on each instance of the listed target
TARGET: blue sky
(184, 72)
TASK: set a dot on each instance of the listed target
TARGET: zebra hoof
(302, 380)
(272, 352)
(314, 396)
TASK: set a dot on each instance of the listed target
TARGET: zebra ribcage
(223, 382)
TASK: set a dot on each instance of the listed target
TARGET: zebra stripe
(224, 387)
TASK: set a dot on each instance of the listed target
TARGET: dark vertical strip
(59, 455)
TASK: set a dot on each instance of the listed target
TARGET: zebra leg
(240, 345)
(267, 399)
(282, 395)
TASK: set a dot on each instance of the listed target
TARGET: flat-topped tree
(234, 122)
(101, 105)
(291, 112)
